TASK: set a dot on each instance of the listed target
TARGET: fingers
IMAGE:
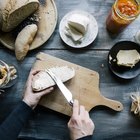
(31, 74)
(87, 115)
(34, 72)
(75, 108)
(82, 111)
(46, 91)
(79, 110)
(29, 81)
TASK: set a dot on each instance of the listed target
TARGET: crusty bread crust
(23, 40)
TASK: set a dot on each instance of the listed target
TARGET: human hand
(30, 97)
(80, 124)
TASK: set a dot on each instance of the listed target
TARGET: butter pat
(79, 22)
(128, 58)
(74, 34)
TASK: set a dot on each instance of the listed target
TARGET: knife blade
(65, 91)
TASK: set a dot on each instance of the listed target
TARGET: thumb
(45, 92)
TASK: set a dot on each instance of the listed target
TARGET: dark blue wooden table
(50, 125)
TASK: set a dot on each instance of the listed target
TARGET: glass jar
(123, 12)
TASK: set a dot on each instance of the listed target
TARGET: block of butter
(79, 22)
(128, 58)
(73, 33)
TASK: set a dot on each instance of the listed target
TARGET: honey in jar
(123, 12)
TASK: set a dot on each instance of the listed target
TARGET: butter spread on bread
(13, 12)
(128, 58)
(42, 80)
(23, 40)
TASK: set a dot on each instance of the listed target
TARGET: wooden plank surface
(47, 124)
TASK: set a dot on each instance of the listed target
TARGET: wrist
(89, 137)
(29, 104)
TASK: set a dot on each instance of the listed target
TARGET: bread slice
(42, 80)
(13, 12)
(128, 58)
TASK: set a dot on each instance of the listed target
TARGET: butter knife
(65, 91)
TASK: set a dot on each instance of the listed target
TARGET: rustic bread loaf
(13, 12)
(24, 39)
(3, 4)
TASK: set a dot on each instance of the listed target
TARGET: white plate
(89, 37)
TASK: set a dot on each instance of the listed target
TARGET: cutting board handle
(115, 105)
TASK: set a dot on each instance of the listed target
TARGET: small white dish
(90, 35)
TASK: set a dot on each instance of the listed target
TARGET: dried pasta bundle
(7, 73)
(135, 106)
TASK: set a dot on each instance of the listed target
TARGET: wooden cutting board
(84, 87)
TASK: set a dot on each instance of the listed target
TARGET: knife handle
(71, 103)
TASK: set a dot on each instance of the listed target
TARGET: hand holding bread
(30, 98)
